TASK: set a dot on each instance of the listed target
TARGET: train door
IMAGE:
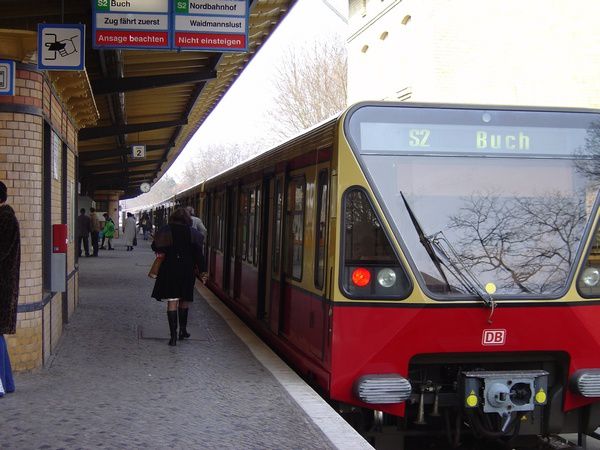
(264, 271)
(238, 227)
(276, 263)
(321, 312)
(229, 246)
(292, 251)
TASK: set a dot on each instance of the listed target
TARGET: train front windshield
(506, 196)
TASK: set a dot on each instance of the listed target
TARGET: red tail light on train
(361, 277)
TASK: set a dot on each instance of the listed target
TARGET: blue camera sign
(61, 47)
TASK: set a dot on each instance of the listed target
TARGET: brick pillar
(21, 156)
(38, 147)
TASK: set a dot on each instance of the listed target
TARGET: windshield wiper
(425, 241)
(443, 253)
(454, 263)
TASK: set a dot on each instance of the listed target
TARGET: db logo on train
(493, 337)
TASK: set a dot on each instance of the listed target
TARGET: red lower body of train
(334, 345)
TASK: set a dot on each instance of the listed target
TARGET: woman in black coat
(182, 247)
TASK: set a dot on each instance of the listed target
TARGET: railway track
(389, 437)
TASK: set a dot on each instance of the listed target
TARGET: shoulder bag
(153, 273)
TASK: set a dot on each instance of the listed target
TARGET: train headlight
(386, 277)
(590, 276)
(382, 388)
(586, 382)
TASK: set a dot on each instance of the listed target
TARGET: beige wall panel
(461, 51)
(71, 291)
(47, 343)
(57, 320)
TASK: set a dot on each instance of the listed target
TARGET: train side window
(295, 227)
(277, 218)
(371, 268)
(321, 228)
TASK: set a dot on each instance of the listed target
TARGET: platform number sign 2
(138, 151)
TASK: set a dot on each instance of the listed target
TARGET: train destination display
(434, 138)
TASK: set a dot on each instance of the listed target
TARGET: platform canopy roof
(150, 97)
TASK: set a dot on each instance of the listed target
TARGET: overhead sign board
(132, 24)
(213, 25)
(61, 46)
(207, 25)
(133, 6)
(7, 77)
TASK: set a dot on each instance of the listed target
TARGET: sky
(247, 101)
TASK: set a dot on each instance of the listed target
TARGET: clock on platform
(145, 187)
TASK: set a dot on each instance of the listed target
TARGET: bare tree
(311, 86)
(590, 154)
(526, 242)
(206, 162)
(214, 159)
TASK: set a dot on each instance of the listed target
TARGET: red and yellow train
(431, 266)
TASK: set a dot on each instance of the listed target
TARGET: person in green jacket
(108, 232)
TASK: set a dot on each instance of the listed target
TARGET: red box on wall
(60, 238)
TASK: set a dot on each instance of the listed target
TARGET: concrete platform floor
(113, 382)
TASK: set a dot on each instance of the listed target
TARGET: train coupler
(505, 392)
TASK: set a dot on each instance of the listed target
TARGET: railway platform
(113, 382)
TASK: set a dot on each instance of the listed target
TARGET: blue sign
(7, 77)
(61, 46)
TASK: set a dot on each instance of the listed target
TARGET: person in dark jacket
(95, 230)
(183, 259)
(84, 228)
(10, 264)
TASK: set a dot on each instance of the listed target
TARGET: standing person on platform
(95, 225)
(196, 222)
(182, 246)
(146, 226)
(129, 228)
(199, 225)
(10, 263)
(108, 232)
(84, 227)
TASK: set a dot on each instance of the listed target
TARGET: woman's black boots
(172, 316)
(183, 315)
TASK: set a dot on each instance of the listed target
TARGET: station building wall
(38, 151)
(537, 52)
